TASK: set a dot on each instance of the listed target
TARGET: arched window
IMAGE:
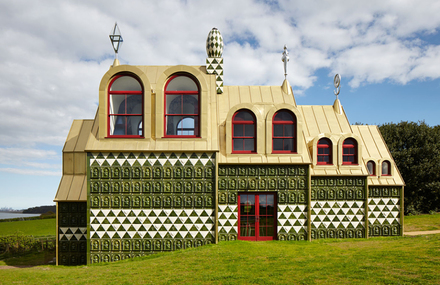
(125, 107)
(371, 166)
(349, 151)
(386, 168)
(283, 132)
(324, 154)
(182, 107)
(243, 132)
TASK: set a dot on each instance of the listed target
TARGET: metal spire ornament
(337, 82)
(285, 59)
(116, 39)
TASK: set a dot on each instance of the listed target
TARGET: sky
(53, 55)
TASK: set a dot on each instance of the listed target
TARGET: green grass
(422, 223)
(37, 228)
(410, 260)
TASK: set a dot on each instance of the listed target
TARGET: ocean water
(4, 215)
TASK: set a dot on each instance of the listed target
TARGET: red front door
(257, 216)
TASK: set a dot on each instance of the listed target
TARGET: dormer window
(243, 132)
(283, 136)
(125, 107)
(386, 168)
(182, 118)
(324, 151)
(371, 166)
(349, 151)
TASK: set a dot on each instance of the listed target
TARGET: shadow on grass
(28, 259)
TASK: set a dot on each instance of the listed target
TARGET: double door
(257, 216)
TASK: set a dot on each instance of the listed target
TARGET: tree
(415, 148)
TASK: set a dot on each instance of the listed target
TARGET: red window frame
(386, 162)
(373, 173)
(324, 152)
(350, 152)
(285, 124)
(182, 94)
(242, 124)
(258, 215)
(126, 115)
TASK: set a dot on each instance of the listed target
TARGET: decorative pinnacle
(337, 82)
(285, 59)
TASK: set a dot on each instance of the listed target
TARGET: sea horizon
(13, 215)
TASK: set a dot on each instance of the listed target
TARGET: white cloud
(54, 53)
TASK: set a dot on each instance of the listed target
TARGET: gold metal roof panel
(64, 188)
(72, 137)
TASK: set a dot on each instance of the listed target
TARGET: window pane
(350, 142)
(277, 130)
(244, 116)
(134, 104)
(277, 144)
(238, 130)
(140, 130)
(118, 125)
(385, 168)
(182, 83)
(288, 144)
(186, 127)
(283, 116)
(249, 130)
(126, 83)
(115, 103)
(190, 104)
(171, 124)
(288, 130)
(249, 144)
(238, 144)
(174, 104)
(324, 142)
(370, 166)
(133, 124)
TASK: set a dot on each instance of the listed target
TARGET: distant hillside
(40, 210)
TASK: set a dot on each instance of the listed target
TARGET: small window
(182, 107)
(386, 168)
(243, 132)
(125, 107)
(371, 166)
(349, 151)
(283, 132)
(324, 153)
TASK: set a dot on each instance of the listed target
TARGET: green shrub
(18, 243)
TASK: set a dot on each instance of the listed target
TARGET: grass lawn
(37, 228)
(422, 223)
(391, 260)
(414, 260)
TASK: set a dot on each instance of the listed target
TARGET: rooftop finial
(337, 82)
(116, 39)
(285, 59)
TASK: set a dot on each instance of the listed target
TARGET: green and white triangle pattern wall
(292, 222)
(149, 224)
(214, 65)
(150, 159)
(332, 219)
(384, 216)
(76, 233)
(227, 222)
(384, 210)
(338, 207)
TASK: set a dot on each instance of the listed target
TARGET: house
(174, 159)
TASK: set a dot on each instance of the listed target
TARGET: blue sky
(54, 54)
